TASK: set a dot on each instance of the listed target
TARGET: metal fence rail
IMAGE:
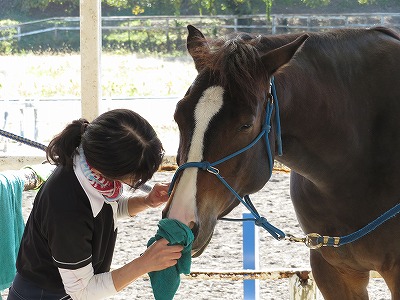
(275, 24)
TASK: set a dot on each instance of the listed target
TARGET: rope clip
(292, 238)
(313, 240)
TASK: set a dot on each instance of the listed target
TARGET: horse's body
(339, 97)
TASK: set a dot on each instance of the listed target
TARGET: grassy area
(58, 76)
(42, 76)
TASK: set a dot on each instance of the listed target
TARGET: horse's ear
(196, 44)
(276, 58)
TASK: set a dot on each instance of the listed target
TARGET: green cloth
(165, 283)
(11, 224)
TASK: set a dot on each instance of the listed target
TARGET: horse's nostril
(192, 224)
(195, 228)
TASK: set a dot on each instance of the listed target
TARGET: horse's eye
(246, 127)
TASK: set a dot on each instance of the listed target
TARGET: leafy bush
(8, 46)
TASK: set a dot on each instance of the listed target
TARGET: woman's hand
(158, 195)
(160, 256)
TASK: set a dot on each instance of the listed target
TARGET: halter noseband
(272, 102)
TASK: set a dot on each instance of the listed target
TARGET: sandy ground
(225, 250)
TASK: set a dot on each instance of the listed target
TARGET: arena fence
(276, 23)
(166, 34)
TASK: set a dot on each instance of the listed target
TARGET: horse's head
(223, 111)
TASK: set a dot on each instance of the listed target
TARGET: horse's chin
(203, 235)
(198, 250)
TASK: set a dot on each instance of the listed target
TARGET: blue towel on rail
(165, 283)
(11, 225)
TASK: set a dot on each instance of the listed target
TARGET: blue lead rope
(340, 241)
(371, 226)
(22, 140)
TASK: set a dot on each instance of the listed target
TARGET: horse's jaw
(203, 233)
(198, 250)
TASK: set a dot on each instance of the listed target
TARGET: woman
(69, 238)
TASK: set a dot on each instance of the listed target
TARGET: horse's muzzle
(194, 227)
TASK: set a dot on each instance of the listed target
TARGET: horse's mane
(237, 63)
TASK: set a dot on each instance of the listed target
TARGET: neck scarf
(110, 189)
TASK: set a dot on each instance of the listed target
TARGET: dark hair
(119, 143)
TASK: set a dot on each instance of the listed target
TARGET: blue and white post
(251, 261)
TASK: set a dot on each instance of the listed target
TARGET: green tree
(174, 7)
(238, 7)
(205, 7)
(315, 3)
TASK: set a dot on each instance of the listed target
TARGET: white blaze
(183, 206)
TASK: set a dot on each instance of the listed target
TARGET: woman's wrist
(137, 204)
(148, 202)
(123, 276)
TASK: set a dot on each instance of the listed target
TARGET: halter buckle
(270, 98)
(212, 170)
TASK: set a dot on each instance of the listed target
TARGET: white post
(90, 47)
(302, 289)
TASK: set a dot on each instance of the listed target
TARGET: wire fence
(169, 24)
(167, 33)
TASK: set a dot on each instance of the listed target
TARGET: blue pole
(251, 287)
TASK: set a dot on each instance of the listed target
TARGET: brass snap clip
(292, 238)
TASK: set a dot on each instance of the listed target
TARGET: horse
(339, 120)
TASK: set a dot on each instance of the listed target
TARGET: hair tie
(84, 126)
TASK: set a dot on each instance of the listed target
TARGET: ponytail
(63, 146)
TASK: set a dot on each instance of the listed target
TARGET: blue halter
(272, 102)
(311, 240)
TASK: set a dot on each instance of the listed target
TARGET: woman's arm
(158, 256)
(82, 284)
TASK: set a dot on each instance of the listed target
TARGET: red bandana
(110, 189)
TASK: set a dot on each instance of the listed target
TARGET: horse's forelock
(237, 63)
